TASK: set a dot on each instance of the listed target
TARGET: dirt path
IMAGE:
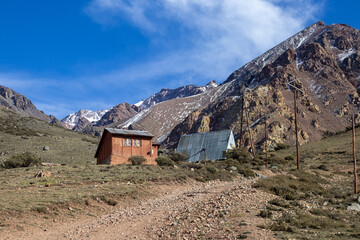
(213, 210)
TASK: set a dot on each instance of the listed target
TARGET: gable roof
(123, 132)
(210, 145)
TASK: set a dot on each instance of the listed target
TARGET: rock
(359, 199)
(233, 168)
(46, 148)
(42, 174)
(354, 207)
(191, 169)
(263, 176)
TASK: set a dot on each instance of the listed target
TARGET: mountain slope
(325, 59)
(166, 94)
(20, 104)
(91, 116)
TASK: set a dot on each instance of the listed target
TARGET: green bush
(178, 157)
(211, 169)
(164, 161)
(281, 146)
(239, 154)
(246, 172)
(266, 213)
(22, 160)
(137, 160)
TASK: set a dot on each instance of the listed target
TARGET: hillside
(103, 202)
(19, 134)
(20, 104)
(324, 59)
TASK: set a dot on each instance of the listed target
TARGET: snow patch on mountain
(346, 54)
(73, 118)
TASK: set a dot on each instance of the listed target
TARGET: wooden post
(296, 132)
(249, 129)
(241, 121)
(266, 152)
(354, 155)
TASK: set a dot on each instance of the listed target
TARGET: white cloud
(201, 40)
(213, 38)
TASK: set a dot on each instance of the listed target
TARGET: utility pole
(295, 121)
(266, 152)
(249, 130)
(241, 121)
(296, 133)
(354, 155)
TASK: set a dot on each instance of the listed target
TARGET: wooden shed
(117, 145)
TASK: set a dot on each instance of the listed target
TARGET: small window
(137, 143)
(127, 142)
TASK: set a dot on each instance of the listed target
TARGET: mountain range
(322, 60)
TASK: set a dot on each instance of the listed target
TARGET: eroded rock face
(327, 66)
(118, 114)
(20, 104)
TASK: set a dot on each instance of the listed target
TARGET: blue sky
(66, 55)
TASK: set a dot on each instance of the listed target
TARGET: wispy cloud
(198, 41)
(213, 37)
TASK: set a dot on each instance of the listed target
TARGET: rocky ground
(212, 210)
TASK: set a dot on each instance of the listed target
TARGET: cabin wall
(105, 150)
(120, 153)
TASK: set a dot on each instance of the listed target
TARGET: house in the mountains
(206, 146)
(117, 145)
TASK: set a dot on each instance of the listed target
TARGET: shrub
(246, 172)
(292, 188)
(280, 146)
(239, 154)
(178, 157)
(266, 213)
(137, 160)
(164, 161)
(22, 160)
(289, 158)
(211, 169)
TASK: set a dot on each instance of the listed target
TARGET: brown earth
(192, 210)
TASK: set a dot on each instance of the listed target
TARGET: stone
(192, 169)
(263, 176)
(233, 168)
(354, 207)
(46, 148)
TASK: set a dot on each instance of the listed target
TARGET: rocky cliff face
(166, 94)
(324, 59)
(20, 104)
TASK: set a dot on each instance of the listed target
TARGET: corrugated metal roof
(210, 145)
(129, 132)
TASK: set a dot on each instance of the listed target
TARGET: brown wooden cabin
(117, 145)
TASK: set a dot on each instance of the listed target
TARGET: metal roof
(210, 145)
(129, 132)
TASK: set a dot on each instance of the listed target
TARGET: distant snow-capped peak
(92, 116)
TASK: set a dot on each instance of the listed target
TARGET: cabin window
(127, 142)
(137, 143)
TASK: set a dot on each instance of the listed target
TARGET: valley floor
(191, 210)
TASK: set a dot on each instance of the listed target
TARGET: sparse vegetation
(26, 159)
(137, 160)
(164, 161)
(178, 157)
(280, 146)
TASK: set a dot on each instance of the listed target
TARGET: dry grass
(312, 202)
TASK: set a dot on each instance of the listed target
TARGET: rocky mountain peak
(20, 104)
